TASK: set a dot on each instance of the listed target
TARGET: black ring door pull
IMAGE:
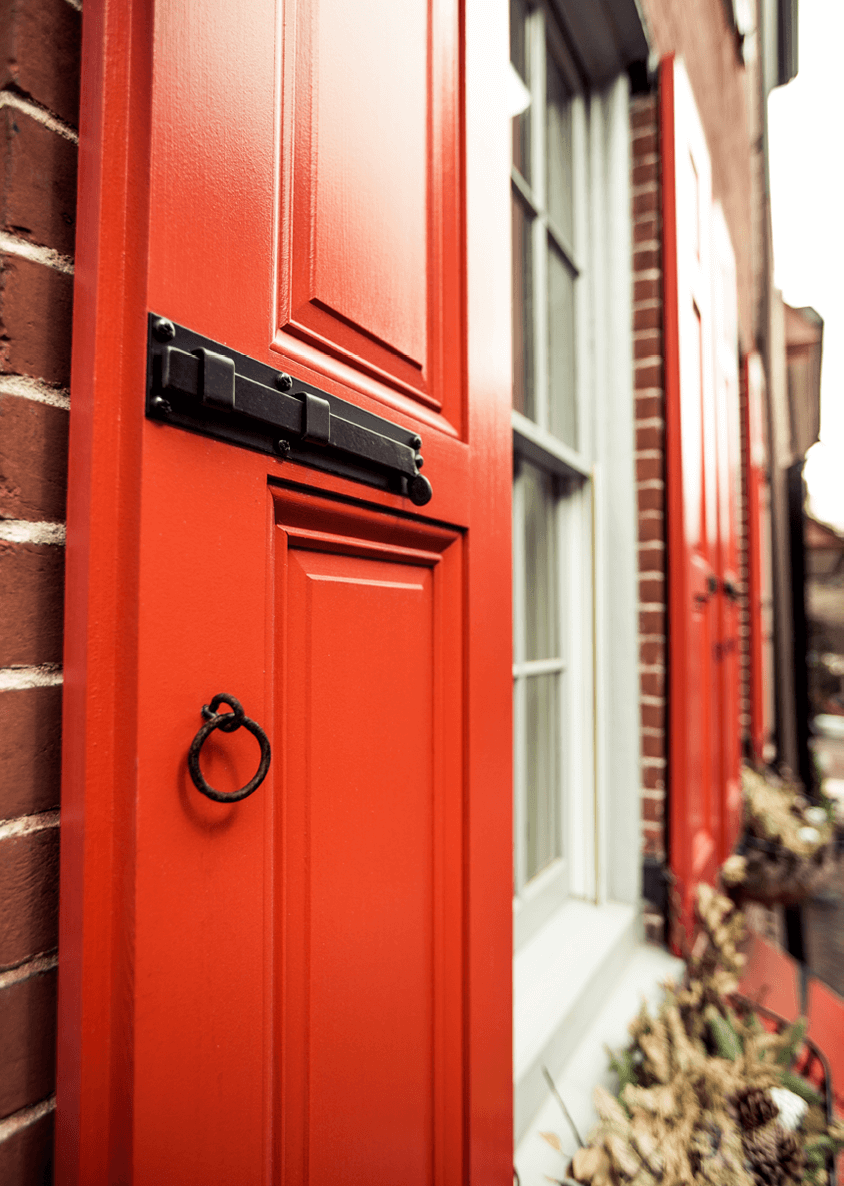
(228, 722)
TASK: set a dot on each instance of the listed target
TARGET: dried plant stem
(565, 1110)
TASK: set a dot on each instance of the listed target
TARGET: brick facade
(39, 61)
(650, 480)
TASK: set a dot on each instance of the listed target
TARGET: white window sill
(561, 978)
(641, 976)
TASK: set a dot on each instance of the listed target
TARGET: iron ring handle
(228, 722)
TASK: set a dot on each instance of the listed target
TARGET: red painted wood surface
(825, 1012)
(770, 977)
(315, 980)
(701, 383)
(759, 593)
(688, 360)
(726, 653)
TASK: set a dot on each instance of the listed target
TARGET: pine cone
(792, 1156)
(761, 1150)
(755, 1107)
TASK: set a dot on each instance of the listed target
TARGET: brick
(40, 43)
(643, 114)
(653, 747)
(652, 717)
(653, 810)
(653, 779)
(27, 1042)
(30, 751)
(645, 143)
(38, 182)
(646, 230)
(26, 1159)
(33, 459)
(648, 375)
(32, 596)
(646, 259)
(647, 469)
(648, 319)
(644, 172)
(652, 589)
(649, 289)
(649, 654)
(652, 498)
(652, 621)
(36, 304)
(646, 202)
(650, 437)
(647, 344)
(649, 406)
(29, 891)
(652, 559)
(652, 683)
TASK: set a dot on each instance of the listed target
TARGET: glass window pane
(540, 543)
(523, 342)
(520, 57)
(558, 150)
(562, 389)
(544, 841)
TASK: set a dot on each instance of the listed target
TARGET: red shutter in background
(759, 592)
(701, 384)
(690, 484)
(727, 648)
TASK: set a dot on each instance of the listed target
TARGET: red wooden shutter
(759, 595)
(727, 650)
(701, 378)
(691, 483)
(310, 984)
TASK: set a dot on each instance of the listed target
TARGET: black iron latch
(200, 385)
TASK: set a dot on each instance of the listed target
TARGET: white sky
(806, 128)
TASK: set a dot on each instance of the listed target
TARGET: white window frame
(565, 966)
(574, 873)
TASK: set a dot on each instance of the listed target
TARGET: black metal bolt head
(416, 442)
(161, 405)
(164, 330)
(419, 490)
(283, 382)
(420, 460)
(282, 447)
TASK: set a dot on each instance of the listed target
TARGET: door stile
(488, 722)
(94, 1057)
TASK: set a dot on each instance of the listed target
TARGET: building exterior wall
(649, 384)
(723, 87)
(39, 111)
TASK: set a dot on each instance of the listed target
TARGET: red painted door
(691, 481)
(309, 984)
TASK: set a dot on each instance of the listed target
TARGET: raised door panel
(369, 260)
(369, 880)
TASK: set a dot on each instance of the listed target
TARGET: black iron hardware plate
(202, 386)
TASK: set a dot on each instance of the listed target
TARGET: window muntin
(552, 499)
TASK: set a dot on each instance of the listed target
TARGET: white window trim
(607, 465)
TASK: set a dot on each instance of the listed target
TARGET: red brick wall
(39, 61)
(699, 32)
(650, 478)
